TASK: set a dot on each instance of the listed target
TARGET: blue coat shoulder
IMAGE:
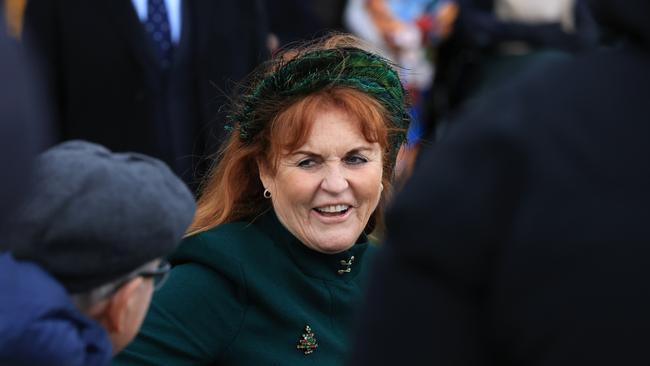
(39, 325)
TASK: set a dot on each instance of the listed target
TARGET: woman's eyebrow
(360, 149)
(304, 152)
(354, 150)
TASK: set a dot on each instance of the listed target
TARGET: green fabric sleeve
(192, 319)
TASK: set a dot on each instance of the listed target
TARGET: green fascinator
(317, 70)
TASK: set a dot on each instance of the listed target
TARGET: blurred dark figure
(522, 237)
(490, 46)
(299, 20)
(146, 75)
(330, 13)
(22, 125)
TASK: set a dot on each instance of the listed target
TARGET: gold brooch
(308, 342)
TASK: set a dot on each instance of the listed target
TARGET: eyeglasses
(159, 274)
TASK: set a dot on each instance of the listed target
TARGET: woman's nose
(334, 180)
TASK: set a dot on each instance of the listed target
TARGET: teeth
(333, 208)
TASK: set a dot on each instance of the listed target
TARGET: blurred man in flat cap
(84, 254)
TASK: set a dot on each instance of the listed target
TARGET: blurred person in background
(82, 254)
(277, 256)
(22, 123)
(146, 75)
(291, 21)
(522, 237)
(401, 30)
(299, 21)
(406, 31)
(493, 41)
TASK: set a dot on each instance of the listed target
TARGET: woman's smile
(333, 214)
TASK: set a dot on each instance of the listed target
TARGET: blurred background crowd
(111, 83)
(519, 232)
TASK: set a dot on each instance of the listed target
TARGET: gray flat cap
(94, 216)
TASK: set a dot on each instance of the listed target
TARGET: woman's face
(326, 190)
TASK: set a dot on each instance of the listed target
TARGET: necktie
(157, 26)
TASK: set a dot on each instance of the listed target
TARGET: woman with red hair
(275, 262)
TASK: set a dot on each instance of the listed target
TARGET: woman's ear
(265, 176)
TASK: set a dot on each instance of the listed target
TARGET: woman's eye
(355, 160)
(307, 163)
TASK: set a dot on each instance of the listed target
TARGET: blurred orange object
(446, 19)
(14, 10)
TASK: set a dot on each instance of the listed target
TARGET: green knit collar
(311, 262)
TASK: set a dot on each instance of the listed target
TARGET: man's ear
(116, 313)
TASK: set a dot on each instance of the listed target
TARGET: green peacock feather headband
(321, 69)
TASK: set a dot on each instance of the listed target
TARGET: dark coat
(107, 83)
(39, 325)
(522, 237)
(242, 293)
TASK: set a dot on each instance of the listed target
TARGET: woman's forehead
(333, 128)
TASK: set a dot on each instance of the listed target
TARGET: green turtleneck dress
(244, 293)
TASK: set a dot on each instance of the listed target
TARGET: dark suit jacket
(23, 129)
(105, 79)
(523, 237)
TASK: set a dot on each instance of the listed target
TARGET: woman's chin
(334, 242)
(333, 235)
